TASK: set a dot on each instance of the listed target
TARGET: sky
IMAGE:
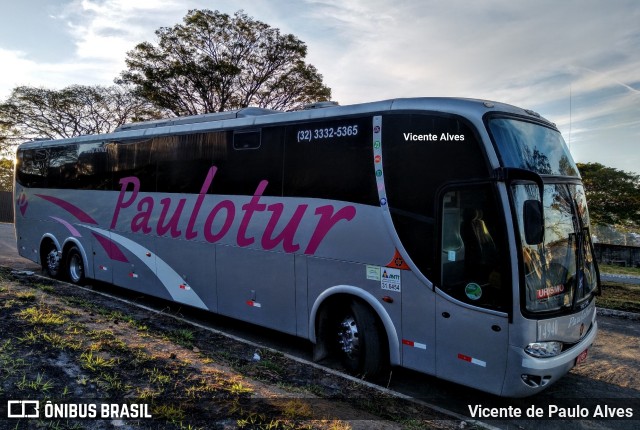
(576, 62)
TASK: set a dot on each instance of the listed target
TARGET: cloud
(544, 55)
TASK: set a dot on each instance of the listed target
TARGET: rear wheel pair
(69, 266)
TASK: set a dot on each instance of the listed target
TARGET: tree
(31, 113)
(6, 174)
(214, 62)
(613, 195)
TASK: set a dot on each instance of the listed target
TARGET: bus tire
(51, 260)
(75, 266)
(360, 341)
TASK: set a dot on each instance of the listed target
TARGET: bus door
(473, 295)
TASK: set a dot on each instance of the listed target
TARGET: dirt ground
(66, 345)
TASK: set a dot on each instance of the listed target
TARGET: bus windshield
(559, 272)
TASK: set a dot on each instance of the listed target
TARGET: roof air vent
(320, 105)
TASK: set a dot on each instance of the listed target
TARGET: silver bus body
(311, 223)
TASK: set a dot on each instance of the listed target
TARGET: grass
(38, 384)
(42, 315)
(618, 270)
(619, 296)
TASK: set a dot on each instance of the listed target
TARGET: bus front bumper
(530, 375)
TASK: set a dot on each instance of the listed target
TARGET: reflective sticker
(373, 273)
(473, 291)
(414, 344)
(390, 279)
(253, 304)
(397, 262)
(472, 360)
(451, 255)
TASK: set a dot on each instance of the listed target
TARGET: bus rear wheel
(360, 341)
(75, 266)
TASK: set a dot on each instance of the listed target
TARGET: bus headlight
(544, 349)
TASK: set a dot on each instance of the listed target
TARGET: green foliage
(613, 195)
(31, 112)
(213, 62)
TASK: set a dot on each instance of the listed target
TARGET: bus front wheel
(360, 341)
(75, 266)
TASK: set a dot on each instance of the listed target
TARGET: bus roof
(259, 117)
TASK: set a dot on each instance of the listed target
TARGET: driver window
(473, 258)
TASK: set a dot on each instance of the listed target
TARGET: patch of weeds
(147, 394)
(157, 377)
(38, 384)
(171, 413)
(261, 421)
(9, 364)
(59, 425)
(26, 296)
(60, 342)
(42, 315)
(44, 288)
(295, 409)
(95, 362)
(183, 337)
(9, 303)
(112, 382)
(140, 357)
(77, 301)
(415, 424)
(238, 388)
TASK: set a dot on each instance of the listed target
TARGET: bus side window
(472, 243)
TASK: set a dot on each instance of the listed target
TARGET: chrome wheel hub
(348, 336)
(53, 260)
(76, 269)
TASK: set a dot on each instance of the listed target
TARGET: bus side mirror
(533, 222)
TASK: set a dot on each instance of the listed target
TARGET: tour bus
(448, 236)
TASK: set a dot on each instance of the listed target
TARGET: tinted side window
(331, 160)
(94, 167)
(241, 170)
(133, 159)
(421, 153)
(31, 168)
(184, 161)
(48, 167)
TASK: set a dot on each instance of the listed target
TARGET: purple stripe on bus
(111, 248)
(73, 210)
(74, 232)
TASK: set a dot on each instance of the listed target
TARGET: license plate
(582, 357)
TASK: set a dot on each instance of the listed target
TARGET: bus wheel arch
(350, 323)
